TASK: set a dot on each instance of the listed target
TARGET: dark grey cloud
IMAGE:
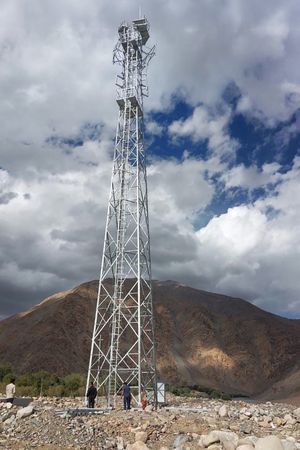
(6, 197)
(15, 298)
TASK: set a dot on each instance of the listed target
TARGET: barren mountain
(203, 338)
(286, 389)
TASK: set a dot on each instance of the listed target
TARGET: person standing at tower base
(10, 391)
(91, 396)
(144, 399)
(126, 394)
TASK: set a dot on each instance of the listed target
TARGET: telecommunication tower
(123, 347)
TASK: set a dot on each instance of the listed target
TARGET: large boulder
(287, 445)
(227, 436)
(141, 436)
(296, 413)
(269, 443)
(224, 437)
(227, 445)
(25, 412)
(137, 446)
(209, 439)
(249, 440)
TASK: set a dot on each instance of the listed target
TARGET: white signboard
(161, 394)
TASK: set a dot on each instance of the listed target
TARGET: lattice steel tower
(123, 346)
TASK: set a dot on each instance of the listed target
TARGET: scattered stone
(296, 413)
(120, 443)
(210, 420)
(263, 424)
(278, 421)
(8, 405)
(246, 428)
(10, 420)
(223, 411)
(179, 441)
(289, 420)
(216, 447)
(134, 429)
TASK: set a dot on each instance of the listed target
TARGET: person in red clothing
(144, 399)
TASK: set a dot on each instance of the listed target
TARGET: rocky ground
(184, 424)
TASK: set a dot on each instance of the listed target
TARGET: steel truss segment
(123, 344)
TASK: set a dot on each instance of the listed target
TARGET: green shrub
(185, 391)
(26, 391)
(42, 383)
(36, 383)
(74, 384)
(8, 378)
(56, 391)
(6, 369)
(25, 379)
(225, 396)
(174, 390)
(46, 383)
(200, 388)
(2, 389)
(42, 380)
(215, 394)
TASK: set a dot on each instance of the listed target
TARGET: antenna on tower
(123, 344)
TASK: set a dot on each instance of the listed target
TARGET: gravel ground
(185, 423)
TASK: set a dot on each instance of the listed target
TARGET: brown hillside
(202, 338)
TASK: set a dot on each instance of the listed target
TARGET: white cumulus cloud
(58, 115)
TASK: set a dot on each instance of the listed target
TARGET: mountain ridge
(202, 338)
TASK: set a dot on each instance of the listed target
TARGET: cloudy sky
(223, 137)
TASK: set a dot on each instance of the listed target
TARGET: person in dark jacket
(126, 393)
(91, 396)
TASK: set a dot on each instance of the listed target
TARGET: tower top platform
(140, 25)
(143, 27)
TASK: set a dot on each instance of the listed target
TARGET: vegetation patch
(197, 390)
(42, 383)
